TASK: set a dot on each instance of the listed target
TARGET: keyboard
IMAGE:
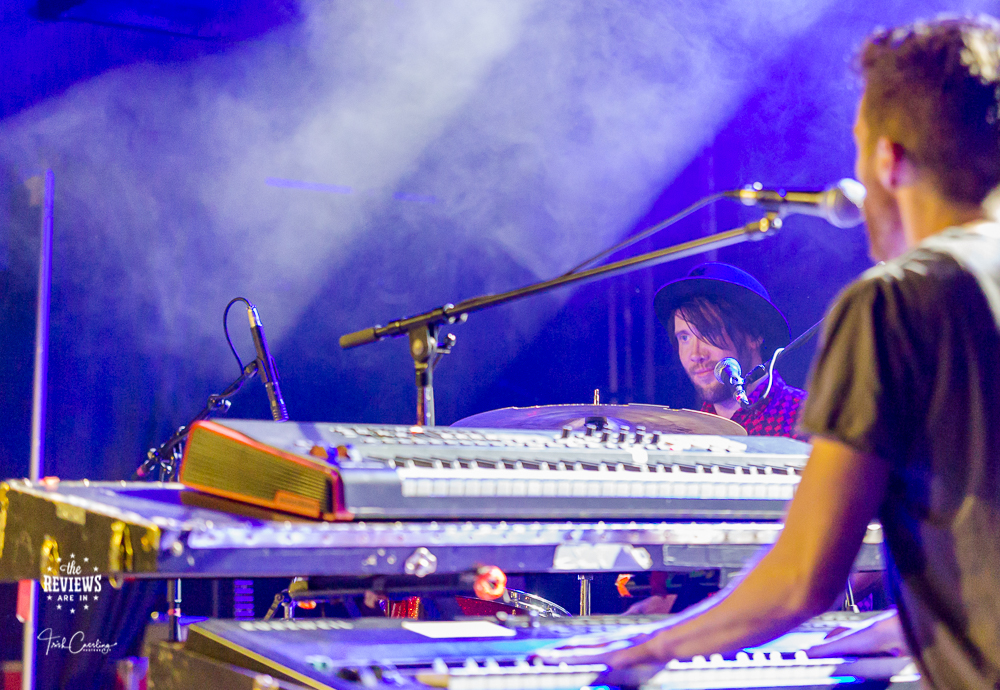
(355, 471)
(496, 653)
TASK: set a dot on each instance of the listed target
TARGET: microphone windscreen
(844, 202)
(726, 369)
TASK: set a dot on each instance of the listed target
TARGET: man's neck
(728, 407)
(924, 213)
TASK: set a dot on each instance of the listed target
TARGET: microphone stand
(760, 371)
(166, 456)
(166, 459)
(422, 329)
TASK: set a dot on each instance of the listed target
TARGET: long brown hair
(723, 324)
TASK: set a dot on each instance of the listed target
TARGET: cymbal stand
(422, 329)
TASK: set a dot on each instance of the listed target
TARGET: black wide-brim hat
(732, 284)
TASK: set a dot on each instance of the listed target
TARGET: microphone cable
(628, 241)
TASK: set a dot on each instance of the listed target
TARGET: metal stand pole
(585, 583)
(849, 603)
(174, 610)
(39, 397)
(423, 347)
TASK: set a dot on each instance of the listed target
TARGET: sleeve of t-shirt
(863, 370)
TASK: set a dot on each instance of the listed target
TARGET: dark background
(342, 164)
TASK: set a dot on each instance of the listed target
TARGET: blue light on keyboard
(844, 679)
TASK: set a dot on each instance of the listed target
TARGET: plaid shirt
(779, 416)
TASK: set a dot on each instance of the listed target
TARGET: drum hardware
(586, 582)
(422, 329)
(484, 584)
(532, 604)
(420, 563)
(490, 583)
(606, 421)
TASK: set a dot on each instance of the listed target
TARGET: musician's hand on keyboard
(882, 635)
(652, 605)
(628, 647)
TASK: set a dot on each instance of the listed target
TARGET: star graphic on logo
(96, 597)
(72, 556)
(85, 559)
(49, 597)
(72, 610)
(58, 560)
(59, 606)
(95, 568)
(86, 607)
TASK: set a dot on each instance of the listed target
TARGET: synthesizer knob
(623, 435)
(566, 431)
(639, 431)
(591, 428)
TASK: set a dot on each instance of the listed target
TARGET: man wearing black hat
(718, 311)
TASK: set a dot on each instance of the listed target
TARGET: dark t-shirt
(909, 370)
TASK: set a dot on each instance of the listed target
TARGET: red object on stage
(23, 599)
(491, 583)
(407, 608)
(621, 584)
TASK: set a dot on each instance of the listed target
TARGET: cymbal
(664, 420)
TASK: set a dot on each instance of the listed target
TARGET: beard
(714, 392)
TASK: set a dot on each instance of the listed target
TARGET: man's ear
(892, 166)
(755, 344)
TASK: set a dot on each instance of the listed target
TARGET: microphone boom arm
(422, 329)
(760, 371)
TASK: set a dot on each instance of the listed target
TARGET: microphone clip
(729, 372)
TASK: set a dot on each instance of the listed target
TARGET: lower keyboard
(487, 653)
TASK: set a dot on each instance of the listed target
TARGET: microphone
(839, 205)
(729, 372)
(265, 363)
